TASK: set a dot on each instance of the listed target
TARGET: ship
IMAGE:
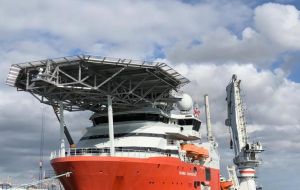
(145, 131)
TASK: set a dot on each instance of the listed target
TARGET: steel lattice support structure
(83, 82)
(98, 84)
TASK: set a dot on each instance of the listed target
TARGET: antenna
(42, 145)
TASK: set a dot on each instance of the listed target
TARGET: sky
(205, 40)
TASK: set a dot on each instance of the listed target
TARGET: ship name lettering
(191, 174)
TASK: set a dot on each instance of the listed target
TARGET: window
(207, 174)
(196, 124)
(196, 184)
(133, 117)
(185, 121)
(170, 142)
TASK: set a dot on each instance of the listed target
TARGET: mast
(207, 117)
(246, 155)
(42, 146)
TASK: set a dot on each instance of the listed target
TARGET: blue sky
(206, 41)
(295, 73)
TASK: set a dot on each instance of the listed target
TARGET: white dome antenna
(186, 103)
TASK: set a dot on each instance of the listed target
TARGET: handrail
(67, 174)
(93, 151)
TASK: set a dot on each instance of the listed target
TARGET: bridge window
(133, 117)
(185, 121)
(196, 124)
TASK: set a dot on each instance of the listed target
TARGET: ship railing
(123, 152)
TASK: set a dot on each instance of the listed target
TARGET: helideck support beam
(66, 131)
(111, 126)
(62, 139)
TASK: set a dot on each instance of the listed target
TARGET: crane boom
(246, 155)
(236, 116)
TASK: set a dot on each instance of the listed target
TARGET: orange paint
(225, 185)
(194, 151)
(120, 173)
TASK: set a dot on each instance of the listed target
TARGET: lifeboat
(195, 152)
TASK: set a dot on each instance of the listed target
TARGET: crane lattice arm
(246, 154)
(236, 118)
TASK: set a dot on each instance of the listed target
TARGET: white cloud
(280, 24)
(186, 33)
(272, 109)
(272, 101)
(135, 25)
(270, 97)
(276, 30)
(20, 126)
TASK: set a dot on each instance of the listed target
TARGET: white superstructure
(143, 130)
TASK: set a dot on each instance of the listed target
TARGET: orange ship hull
(119, 173)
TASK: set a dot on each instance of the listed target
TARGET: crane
(246, 154)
